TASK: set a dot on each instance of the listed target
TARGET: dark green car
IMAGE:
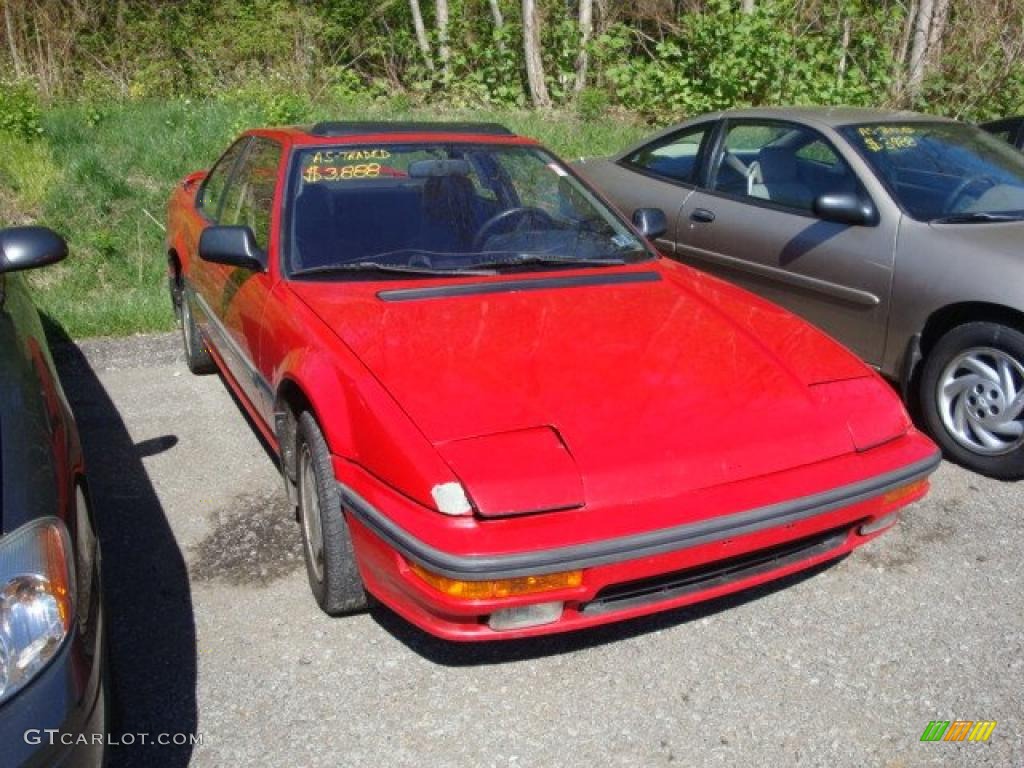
(52, 702)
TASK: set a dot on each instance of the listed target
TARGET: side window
(781, 163)
(212, 191)
(249, 201)
(818, 152)
(674, 156)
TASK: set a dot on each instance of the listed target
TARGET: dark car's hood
(653, 388)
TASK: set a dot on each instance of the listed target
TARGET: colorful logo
(958, 730)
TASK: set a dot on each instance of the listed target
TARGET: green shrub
(724, 58)
(592, 103)
(263, 103)
(19, 109)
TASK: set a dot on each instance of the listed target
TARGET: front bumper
(60, 718)
(633, 572)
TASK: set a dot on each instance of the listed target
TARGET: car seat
(774, 177)
(449, 213)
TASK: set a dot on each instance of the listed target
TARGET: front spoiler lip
(606, 551)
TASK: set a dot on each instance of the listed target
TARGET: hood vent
(512, 286)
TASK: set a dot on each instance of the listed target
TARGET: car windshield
(944, 171)
(437, 208)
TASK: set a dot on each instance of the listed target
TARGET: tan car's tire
(326, 540)
(972, 396)
(197, 356)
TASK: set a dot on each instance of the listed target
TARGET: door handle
(702, 214)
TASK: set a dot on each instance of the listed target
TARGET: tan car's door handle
(702, 214)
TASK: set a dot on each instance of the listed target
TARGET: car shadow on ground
(502, 651)
(150, 624)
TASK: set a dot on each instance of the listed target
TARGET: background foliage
(661, 58)
(105, 104)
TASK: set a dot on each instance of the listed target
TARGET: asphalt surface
(214, 632)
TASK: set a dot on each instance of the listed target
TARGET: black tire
(333, 575)
(985, 342)
(197, 356)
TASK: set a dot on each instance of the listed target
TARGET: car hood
(1001, 239)
(611, 392)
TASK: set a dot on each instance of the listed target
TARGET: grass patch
(96, 176)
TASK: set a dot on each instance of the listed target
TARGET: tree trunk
(421, 32)
(602, 15)
(443, 50)
(940, 15)
(919, 49)
(586, 31)
(748, 6)
(534, 63)
(844, 50)
(499, 20)
(19, 72)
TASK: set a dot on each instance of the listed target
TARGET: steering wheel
(523, 212)
(965, 185)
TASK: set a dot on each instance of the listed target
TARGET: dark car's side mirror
(651, 222)
(845, 209)
(232, 246)
(30, 247)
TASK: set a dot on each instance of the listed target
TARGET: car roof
(363, 131)
(1003, 121)
(834, 116)
(831, 117)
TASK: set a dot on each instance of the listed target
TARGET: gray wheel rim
(981, 399)
(309, 503)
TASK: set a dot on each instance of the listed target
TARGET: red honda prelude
(498, 410)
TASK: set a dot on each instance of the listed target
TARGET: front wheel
(330, 556)
(972, 393)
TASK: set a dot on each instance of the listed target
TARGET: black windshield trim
(513, 286)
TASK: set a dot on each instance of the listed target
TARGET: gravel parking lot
(214, 631)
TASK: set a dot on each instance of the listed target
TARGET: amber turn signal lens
(484, 590)
(904, 492)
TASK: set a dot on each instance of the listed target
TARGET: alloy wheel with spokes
(981, 400)
(972, 397)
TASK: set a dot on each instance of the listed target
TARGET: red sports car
(498, 410)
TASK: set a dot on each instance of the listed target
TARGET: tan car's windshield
(944, 171)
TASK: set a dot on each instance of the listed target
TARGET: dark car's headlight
(36, 600)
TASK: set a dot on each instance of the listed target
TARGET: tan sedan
(900, 234)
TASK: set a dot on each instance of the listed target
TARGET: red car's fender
(360, 420)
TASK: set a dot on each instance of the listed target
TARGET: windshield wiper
(976, 217)
(518, 259)
(376, 266)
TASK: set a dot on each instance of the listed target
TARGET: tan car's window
(673, 157)
(249, 201)
(780, 163)
(819, 152)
